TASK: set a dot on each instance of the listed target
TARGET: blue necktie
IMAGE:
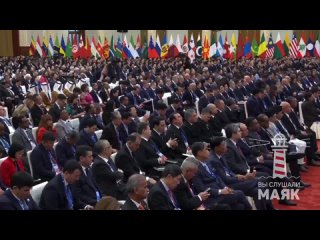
(23, 205)
(184, 137)
(93, 137)
(173, 199)
(69, 197)
(5, 144)
(216, 177)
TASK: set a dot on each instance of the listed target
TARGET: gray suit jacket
(63, 128)
(20, 137)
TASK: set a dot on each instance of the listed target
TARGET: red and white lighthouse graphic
(279, 157)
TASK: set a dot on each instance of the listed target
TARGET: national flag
(286, 45)
(247, 47)
(81, 49)
(111, 51)
(100, 47)
(191, 52)
(316, 51)
(138, 45)
(45, 46)
(38, 47)
(219, 47)
(270, 46)
(69, 48)
(118, 48)
(32, 48)
(152, 52)
(173, 50)
(302, 45)
(63, 47)
(233, 45)
(199, 48)
(279, 51)
(178, 44)
(206, 48)
(226, 50)
(164, 48)
(144, 50)
(125, 49)
(50, 47)
(132, 49)
(240, 47)
(213, 47)
(286, 38)
(262, 47)
(105, 48)
(75, 47)
(310, 46)
(184, 47)
(87, 48)
(158, 46)
(254, 45)
(294, 47)
(94, 51)
(56, 47)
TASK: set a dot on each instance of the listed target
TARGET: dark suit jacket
(126, 163)
(109, 133)
(223, 118)
(64, 152)
(191, 132)
(173, 132)
(86, 189)
(20, 137)
(54, 197)
(185, 198)
(105, 178)
(216, 126)
(54, 111)
(148, 158)
(104, 96)
(203, 102)
(158, 198)
(232, 115)
(235, 159)
(310, 113)
(41, 164)
(161, 144)
(250, 153)
(292, 127)
(36, 113)
(9, 202)
(95, 97)
(129, 205)
(204, 180)
(6, 129)
(254, 107)
(239, 94)
(86, 139)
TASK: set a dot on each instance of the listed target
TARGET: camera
(208, 190)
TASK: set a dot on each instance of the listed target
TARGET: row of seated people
(136, 157)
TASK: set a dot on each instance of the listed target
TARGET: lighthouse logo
(269, 187)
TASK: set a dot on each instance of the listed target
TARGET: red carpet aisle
(310, 197)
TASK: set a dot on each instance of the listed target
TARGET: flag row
(77, 47)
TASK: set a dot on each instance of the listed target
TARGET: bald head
(286, 107)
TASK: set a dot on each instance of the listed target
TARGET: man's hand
(88, 207)
(204, 195)
(162, 160)
(241, 177)
(261, 159)
(173, 143)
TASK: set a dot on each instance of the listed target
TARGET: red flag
(240, 47)
(227, 54)
(75, 48)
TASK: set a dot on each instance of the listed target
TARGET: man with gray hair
(186, 197)
(105, 172)
(189, 126)
(137, 188)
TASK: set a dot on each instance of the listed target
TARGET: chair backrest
(300, 112)
(2, 160)
(197, 107)
(34, 132)
(36, 191)
(29, 161)
(55, 145)
(75, 124)
(113, 156)
(165, 98)
(98, 133)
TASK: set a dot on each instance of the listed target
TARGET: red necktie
(141, 207)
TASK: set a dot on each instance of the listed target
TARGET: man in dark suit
(232, 110)
(189, 126)
(126, 159)
(111, 131)
(59, 193)
(104, 93)
(5, 121)
(186, 198)
(63, 126)
(203, 127)
(18, 197)
(175, 106)
(254, 103)
(309, 110)
(37, 110)
(107, 176)
(148, 154)
(57, 107)
(137, 188)
(43, 159)
(95, 95)
(246, 183)
(161, 196)
(214, 123)
(87, 135)
(86, 189)
(158, 137)
(207, 179)
(66, 148)
(221, 115)
(175, 131)
(206, 98)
